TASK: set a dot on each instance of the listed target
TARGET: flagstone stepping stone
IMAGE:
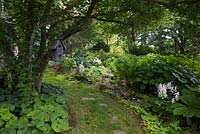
(103, 105)
(88, 99)
(90, 93)
(93, 86)
(119, 132)
(110, 86)
(114, 118)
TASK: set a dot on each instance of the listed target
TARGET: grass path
(94, 112)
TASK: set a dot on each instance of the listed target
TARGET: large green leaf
(1, 122)
(22, 123)
(60, 125)
(196, 89)
(187, 111)
(43, 127)
(61, 100)
(8, 131)
(189, 108)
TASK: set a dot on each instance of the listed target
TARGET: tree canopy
(32, 26)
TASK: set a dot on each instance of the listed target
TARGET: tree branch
(54, 18)
(110, 13)
(112, 21)
(91, 7)
(4, 44)
(173, 4)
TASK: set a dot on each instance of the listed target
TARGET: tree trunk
(179, 44)
(198, 45)
(43, 62)
(182, 44)
(175, 45)
(132, 37)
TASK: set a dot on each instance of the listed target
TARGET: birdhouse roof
(59, 42)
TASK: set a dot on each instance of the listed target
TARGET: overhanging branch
(113, 21)
(173, 4)
(91, 7)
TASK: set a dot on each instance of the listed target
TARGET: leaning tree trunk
(42, 63)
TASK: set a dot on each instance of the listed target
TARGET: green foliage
(140, 50)
(101, 46)
(143, 74)
(152, 122)
(189, 104)
(68, 64)
(26, 113)
(126, 67)
(48, 117)
(189, 107)
(6, 118)
(96, 66)
(147, 72)
(95, 73)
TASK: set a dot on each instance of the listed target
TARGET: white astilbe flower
(110, 73)
(16, 51)
(98, 61)
(169, 85)
(176, 96)
(162, 91)
(173, 101)
(173, 89)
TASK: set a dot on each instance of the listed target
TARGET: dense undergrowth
(23, 112)
(140, 80)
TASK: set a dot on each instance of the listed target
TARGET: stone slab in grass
(93, 86)
(103, 105)
(114, 118)
(119, 132)
(88, 99)
(91, 94)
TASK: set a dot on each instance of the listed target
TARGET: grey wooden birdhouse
(59, 50)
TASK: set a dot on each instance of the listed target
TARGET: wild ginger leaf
(53, 116)
(61, 100)
(43, 116)
(22, 123)
(182, 111)
(60, 125)
(43, 126)
(1, 122)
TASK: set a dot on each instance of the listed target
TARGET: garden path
(92, 112)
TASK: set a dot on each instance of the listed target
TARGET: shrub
(25, 113)
(188, 108)
(101, 45)
(126, 67)
(146, 72)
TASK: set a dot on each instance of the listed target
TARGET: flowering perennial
(81, 68)
(98, 61)
(57, 66)
(163, 89)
